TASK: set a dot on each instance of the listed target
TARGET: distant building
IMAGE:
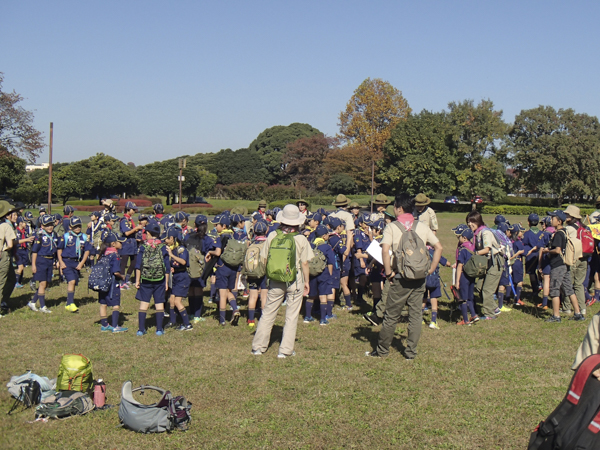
(31, 167)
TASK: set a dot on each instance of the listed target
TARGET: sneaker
(236, 318)
(141, 333)
(578, 317)
(462, 322)
(434, 326)
(409, 358)
(519, 303)
(541, 305)
(497, 311)
(331, 317)
(505, 309)
(120, 330)
(251, 324)
(424, 310)
(199, 319)
(488, 317)
(309, 319)
(282, 356)
(106, 328)
(32, 306)
(373, 354)
(167, 315)
(160, 332)
(553, 319)
(168, 325)
(45, 310)
(324, 322)
(18, 285)
(474, 319)
(221, 324)
(185, 328)
(124, 286)
(72, 308)
(257, 352)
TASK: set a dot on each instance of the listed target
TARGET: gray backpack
(167, 414)
(412, 256)
(65, 404)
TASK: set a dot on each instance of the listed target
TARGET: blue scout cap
(334, 222)
(130, 205)
(174, 232)
(112, 237)
(516, 228)
(322, 212)
(326, 220)
(112, 216)
(20, 219)
(75, 222)
(558, 213)
(260, 227)
(257, 216)
(318, 217)
(47, 219)
(143, 217)
(68, 209)
(159, 208)
(153, 227)
(96, 214)
(42, 208)
(200, 219)
(221, 219)
(28, 215)
(237, 218)
(57, 216)
(378, 224)
(276, 210)
(226, 213)
(269, 212)
(216, 219)
(321, 230)
(499, 219)
(181, 215)
(503, 226)
(458, 230)
(467, 233)
(533, 217)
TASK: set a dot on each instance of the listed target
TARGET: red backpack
(587, 240)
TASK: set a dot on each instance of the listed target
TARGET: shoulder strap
(589, 365)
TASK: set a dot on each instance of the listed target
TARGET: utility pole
(372, 182)
(50, 171)
(182, 164)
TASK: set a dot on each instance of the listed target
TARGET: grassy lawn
(485, 386)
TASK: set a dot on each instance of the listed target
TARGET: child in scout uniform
(95, 231)
(376, 271)
(465, 285)
(424, 213)
(380, 203)
(516, 234)
(140, 236)
(73, 250)
(433, 289)
(152, 277)
(129, 248)
(359, 262)
(225, 276)
(262, 209)
(313, 221)
(320, 285)
(532, 244)
(257, 286)
(180, 283)
(339, 249)
(22, 252)
(544, 261)
(181, 220)
(42, 261)
(66, 220)
(504, 285)
(109, 248)
(214, 235)
(158, 212)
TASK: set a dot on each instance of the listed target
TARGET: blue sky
(150, 80)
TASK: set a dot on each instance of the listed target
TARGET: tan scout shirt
(345, 217)
(429, 218)
(7, 234)
(392, 236)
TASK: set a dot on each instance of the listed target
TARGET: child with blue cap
(504, 285)
(532, 243)
(320, 285)
(544, 260)
(465, 285)
(94, 231)
(180, 279)
(42, 261)
(109, 249)
(516, 234)
(22, 252)
(341, 252)
(129, 249)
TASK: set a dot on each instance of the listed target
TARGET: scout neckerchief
(51, 237)
(22, 235)
(78, 239)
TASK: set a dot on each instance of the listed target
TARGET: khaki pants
(578, 272)
(380, 308)
(275, 298)
(589, 346)
(488, 287)
(7, 276)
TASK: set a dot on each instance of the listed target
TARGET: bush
(451, 207)
(544, 202)
(340, 183)
(523, 210)
(278, 192)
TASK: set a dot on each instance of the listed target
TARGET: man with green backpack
(287, 254)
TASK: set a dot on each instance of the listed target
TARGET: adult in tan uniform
(290, 219)
(589, 345)
(303, 206)
(7, 242)
(424, 213)
(380, 203)
(341, 201)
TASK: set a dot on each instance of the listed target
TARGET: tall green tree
(12, 170)
(271, 144)
(103, 175)
(556, 152)
(242, 165)
(420, 156)
(477, 133)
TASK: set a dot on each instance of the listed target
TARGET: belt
(47, 257)
(74, 259)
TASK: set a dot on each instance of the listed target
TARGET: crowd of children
(168, 259)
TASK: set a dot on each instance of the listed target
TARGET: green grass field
(485, 386)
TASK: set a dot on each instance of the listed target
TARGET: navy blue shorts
(313, 291)
(181, 284)
(433, 291)
(324, 285)
(22, 257)
(44, 268)
(517, 272)
(226, 277)
(254, 284)
(546, 265)
(104, 298)
(70, 272)
(467, 288)
(345, 268)
(504, 280)
(358, 271)
(531, 265)
(149, 289)
(335, 279)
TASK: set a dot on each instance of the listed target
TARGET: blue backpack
(100, 279)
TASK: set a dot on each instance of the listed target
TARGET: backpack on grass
(153, 265)
(317, 264)
(75, 374)
(100, 279)
(281, 261)
(29, 389)
(575, 423)
(168, 414)
(65, 404)
(234, 253)
(254, 264)
(412, 256)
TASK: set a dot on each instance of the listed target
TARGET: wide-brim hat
(573, 211)
(381, 199)
(290, 215)
(353, 205)
(302, 201)
(341, 200)
(6, 208)
(422, 200)
(262, 204)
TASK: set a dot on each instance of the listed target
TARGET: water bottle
(99, 393)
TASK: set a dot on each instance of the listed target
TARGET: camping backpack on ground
(65, 404)
(317, 264)
(167, 414)
(587, 241)
(234, 253)
(281, 261)
(412, 256)
(254, 264)
(100, 279)
(575, 422)
(29, 389)
(153, 265)
(477, 266)
(74, 374)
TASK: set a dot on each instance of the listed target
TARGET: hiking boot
(106, 328)
(236, 318)
(434, 326)
(324, 322)
(578, 317)
(160, 333)
(309, 319)
(32, 306)
(462, 322)
(282, 356)
(474, 319)
(141, 333)
(553, 319)
(18, 285)
(119, 330)
(45, 310)
(72, 308)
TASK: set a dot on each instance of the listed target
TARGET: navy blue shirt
(74, 246)
(45, 244)
(130, 245)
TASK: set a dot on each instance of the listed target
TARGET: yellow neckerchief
(318, 241)
(226, 230)
(309, 228)
(378, 238)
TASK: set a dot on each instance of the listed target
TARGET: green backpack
(153, 265)
(477, 266)
(234, 252)
(281, 261)
(74, 374)
(317, 264)
(197, 262)
(254, 264)
(65, 404)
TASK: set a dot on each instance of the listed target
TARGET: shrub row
(523, 210)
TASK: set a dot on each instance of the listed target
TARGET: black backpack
(575, 422)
